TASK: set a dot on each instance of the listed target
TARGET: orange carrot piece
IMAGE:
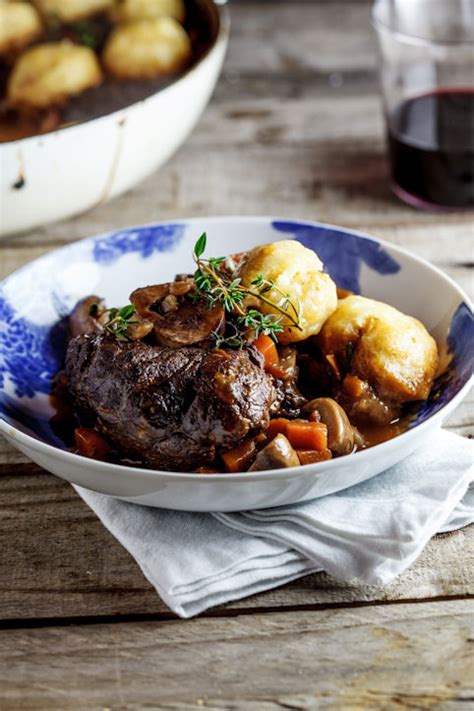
(311, 456)
(354, 386)
(239, 458)
(90, 443)
(307, 435)
(276, 426)
(343, 293)
(207, 470)
(268, 349)
(277, 372)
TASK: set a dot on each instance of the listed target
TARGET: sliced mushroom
(278, 454)
(340, 431)
(140, 328)
(177, 320)
(81, 318)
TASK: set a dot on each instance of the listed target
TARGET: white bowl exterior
(72, 170)
(64, 276)
(196, 492)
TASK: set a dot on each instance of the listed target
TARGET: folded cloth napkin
(369, 533)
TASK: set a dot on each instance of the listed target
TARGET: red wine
(431, 142)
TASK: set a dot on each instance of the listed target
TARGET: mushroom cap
(277, 454)
(187, 324)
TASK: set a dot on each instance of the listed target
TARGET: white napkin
(369, 533)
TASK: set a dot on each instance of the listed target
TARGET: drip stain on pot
(19, 184)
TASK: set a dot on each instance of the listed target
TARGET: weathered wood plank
(337, 184)
(394, 657)
(67, 565)
(300, 36)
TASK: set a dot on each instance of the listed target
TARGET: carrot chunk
(307, 435)
(90, 443)
(311, 456)
(276, 426)
(354, 386)
(268, 349)
(239, 458)
(277, 372)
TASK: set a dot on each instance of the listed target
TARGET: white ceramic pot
(65, 172)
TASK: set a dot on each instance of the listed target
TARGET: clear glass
(427, 77)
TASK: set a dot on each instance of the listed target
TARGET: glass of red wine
(427, 75)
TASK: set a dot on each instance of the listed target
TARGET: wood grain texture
(61, 562)
(393, 657)
(294, 129)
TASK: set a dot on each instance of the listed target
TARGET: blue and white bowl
(35, 300)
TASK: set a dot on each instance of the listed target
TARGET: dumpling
(19, 25)
(147, 48)
(391, 351)
(149, 9)
(297, 271)
(46, 75)
(71, 10)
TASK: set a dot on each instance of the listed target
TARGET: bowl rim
(222, 37)
(107, 467)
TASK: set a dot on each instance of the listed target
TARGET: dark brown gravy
(112, 95)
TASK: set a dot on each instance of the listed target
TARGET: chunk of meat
(169, 408)
(362, 404)
(289, 400)
(393, 352)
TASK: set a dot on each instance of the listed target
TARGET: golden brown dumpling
(148, 9)
(147, 48)
(46, 75)
(71, 10)
(393, 352)
(297, 271)
(19, 25)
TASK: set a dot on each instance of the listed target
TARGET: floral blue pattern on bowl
(342, 253)
(35, 300)
(143, 240)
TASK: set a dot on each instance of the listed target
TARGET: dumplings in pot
(46, 75)
(147, 48)
(297, 271)
(149, 9)
(19, 25)
(71, 10)
(393, 352)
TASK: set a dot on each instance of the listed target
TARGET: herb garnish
(350, 353)
(86, 35)
(215, 285)
(118, 320)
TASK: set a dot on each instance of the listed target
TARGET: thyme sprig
(215, 285)
(118, 320)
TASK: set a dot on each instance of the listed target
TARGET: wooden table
(294, 129)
